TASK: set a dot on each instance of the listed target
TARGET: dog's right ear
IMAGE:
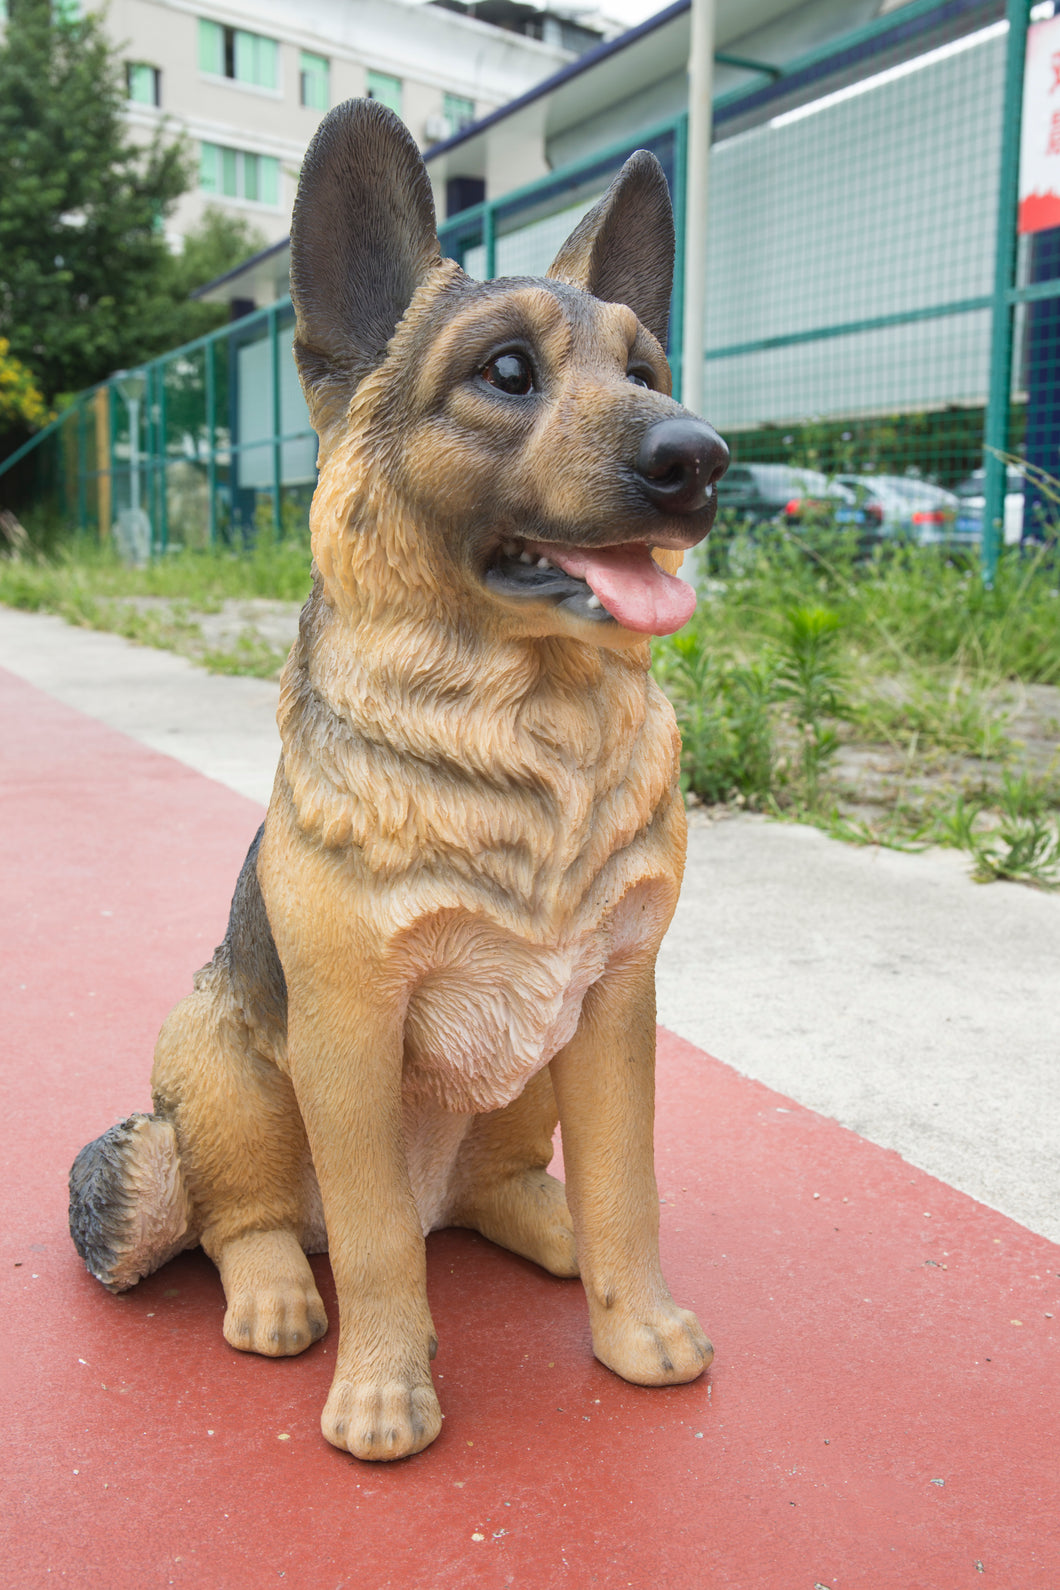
(363, 236)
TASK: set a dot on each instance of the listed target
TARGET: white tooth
(524, 557)
(510, 548)
(593, 601)
(543, 563)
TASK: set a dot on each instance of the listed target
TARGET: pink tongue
(629, 583)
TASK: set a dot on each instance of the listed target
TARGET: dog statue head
(527, 422)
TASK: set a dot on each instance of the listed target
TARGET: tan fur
(472, 852)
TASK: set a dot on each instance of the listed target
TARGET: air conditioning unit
(436, 128)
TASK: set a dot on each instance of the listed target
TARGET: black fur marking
(623, 250)
(257, 976)
(362, 239)
(101, 1200)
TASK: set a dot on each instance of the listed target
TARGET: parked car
(775, 493)
(758, 497)
(908, 509)
(967, 529)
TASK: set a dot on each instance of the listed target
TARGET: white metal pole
(700, 129)
(134, 453)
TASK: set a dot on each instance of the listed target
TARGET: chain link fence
(851, 301)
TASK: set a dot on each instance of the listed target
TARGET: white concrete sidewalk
(883, 989)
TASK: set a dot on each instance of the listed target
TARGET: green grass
(81, 573)
(791, 668)
(799, 655)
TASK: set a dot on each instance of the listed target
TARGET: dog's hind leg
(245, 1163)
(502, 1189)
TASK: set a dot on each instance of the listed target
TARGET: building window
(238, 174)
(211, 47)
(315, 91)
(458, 112)
(386, 89)
(143, 84)
(244, 57)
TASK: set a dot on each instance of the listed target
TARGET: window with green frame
(211, 47)
(459, 112)
(244, 57)
(315, 89)
(239, 174)
(386, 89)
(257, 60)
(143, 84)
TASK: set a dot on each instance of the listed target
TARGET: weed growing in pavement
(1027, 852)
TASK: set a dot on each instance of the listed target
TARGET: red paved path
(883, 1412)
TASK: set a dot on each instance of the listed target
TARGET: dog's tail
(129, 1207)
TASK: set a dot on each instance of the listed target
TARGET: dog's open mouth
(619, 584)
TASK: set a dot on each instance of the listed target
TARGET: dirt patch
(1021, 741)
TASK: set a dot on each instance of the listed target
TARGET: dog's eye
(639, 378)
(510, 373)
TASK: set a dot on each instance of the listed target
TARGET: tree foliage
(215, 244)
(82, 252)
(88, 283)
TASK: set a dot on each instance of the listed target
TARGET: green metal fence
(869, 313)
(187, 447)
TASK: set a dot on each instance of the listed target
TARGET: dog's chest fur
(491, 1007)
(511, 826)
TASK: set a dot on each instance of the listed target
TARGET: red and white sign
(1039, 208)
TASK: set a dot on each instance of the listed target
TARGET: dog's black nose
(678, 463)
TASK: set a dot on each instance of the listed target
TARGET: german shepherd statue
(444, 934)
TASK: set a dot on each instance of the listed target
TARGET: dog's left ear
(363, 237)
(623, 250)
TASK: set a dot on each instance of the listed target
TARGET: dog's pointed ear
(363, 237)
(623, 250)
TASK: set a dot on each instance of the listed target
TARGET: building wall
(432, 51)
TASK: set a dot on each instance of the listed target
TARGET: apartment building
(248, 84)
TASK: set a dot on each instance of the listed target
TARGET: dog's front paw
(659, 1347)
(381, 1422)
